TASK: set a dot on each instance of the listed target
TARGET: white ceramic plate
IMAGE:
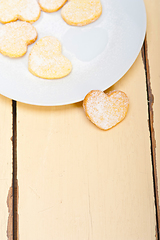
(101, 53)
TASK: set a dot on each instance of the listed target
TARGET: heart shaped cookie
(81, 12)
(51, 5)
(47, 61)
(15, 37)
(106, 110)
(25, 10)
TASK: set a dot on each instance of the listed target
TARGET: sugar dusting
(28, 10)
(106, 110)
(14, 38)
(51, 5)
(46, 60)
(81, 12)
(11, 10)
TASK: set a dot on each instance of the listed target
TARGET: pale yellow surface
(25, 10)
(79, 182)
(51, 5)
(5, 161)
(46, 60)
(15, 37)
(153, 40)
(81, 12)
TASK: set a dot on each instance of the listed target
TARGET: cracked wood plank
(79, 182)
(6, 195)
(153, 55)
(15, 181)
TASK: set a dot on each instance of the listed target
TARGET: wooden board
(6, 216)
(153, 46)
(79, 182)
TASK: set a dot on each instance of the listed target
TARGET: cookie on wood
(81, 12)
(15, 37)
(24, 10)
(106, 110)
(46, 60)
(51, 5)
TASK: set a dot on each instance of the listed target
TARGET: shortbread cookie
(46, 60)
(15, 37)
(51, 5)
(81, 12)
(25, 10)
(106, 110)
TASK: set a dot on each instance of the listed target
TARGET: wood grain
(6, 194)
(79, 182)
(153, 54)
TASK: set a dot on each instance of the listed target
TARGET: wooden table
(73, 181)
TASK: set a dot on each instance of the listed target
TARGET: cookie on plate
(46, 60)
(51, 5)
(15, 37)
(106, 110)
(25, 10)
(81, 12)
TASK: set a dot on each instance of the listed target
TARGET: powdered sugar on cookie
(51, 5)
(14, 38)
(25, 10)
(106, 110)
(46, 60)
(81, 12)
